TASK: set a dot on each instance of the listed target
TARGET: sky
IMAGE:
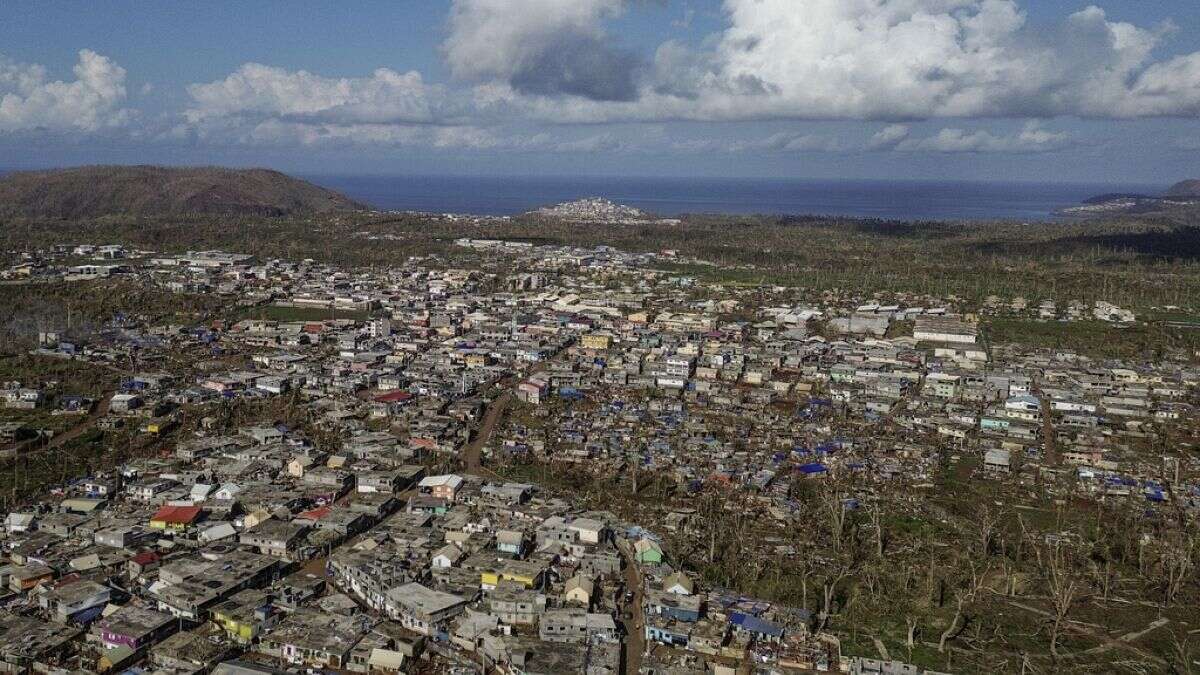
(1011, 90)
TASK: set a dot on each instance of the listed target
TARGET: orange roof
(183, 515)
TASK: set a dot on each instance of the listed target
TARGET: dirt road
(635, 627)
(33, 446)
(472, 452)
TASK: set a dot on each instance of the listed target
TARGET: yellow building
(175, 518)
(524, 572)
(244, 615)
(493, 579)
(596, 341)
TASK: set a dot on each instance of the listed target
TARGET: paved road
(635, 628)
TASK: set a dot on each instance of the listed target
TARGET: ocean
(902, 200)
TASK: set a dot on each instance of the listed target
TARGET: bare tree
(968, 590)
(833, 505)
(1056, 563)
(829, 587)
(1183, 653)
(1176, 562)
(875, 516)
(989, 520)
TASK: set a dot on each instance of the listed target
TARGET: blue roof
(754, 624)
(88, 615)
(815, 467)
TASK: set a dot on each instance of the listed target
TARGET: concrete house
(422, 609)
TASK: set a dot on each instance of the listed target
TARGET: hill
(96, 191)
(1185, 189)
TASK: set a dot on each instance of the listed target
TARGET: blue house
(756, 627)
(685, 608)
(812, 469)
(667, 633)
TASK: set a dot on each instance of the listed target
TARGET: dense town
(554, 460)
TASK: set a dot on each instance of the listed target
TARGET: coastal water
(904, 200)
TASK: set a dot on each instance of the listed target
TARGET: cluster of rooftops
(365, 554)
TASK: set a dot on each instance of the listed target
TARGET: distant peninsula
(1183, 196)
(598, 210)
(97, 191)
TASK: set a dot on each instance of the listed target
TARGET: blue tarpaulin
(753, 624)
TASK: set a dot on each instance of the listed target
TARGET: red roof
(67, 580)
(393, 396)
(145, 558)
(317, 513)
(182, 515)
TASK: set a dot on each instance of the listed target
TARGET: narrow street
(1049, 438)
(472, 452)
(635, 627)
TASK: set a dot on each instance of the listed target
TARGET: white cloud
(1167, 88)
(913, 59)
(782, 142)
(30, 100)
(259, 104)
(280, 132)
(888, 137)
(589, 144)
(255, 90)
(890, 60)
(1031, 138)
(541, 47)
(524, 63)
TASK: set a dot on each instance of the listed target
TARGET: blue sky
(976, 89)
